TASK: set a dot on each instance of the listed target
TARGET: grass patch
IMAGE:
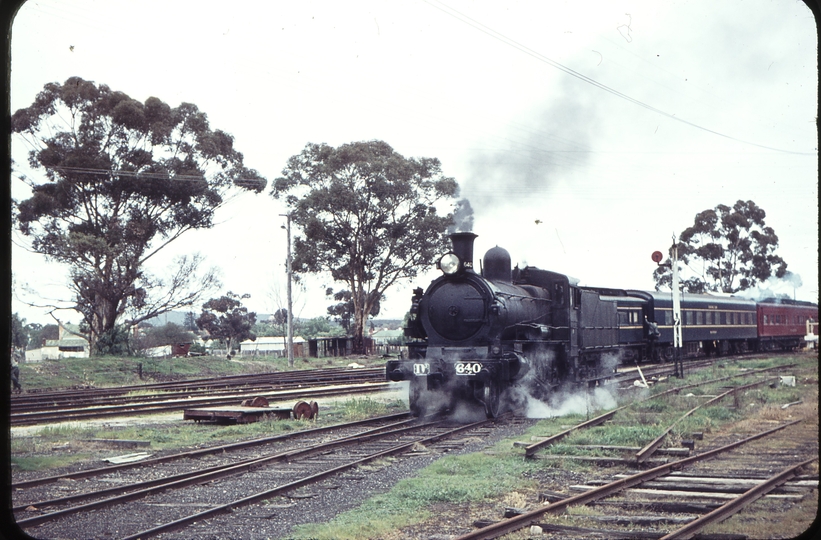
(615, 435)
(452, 479)
(37, 463)
(366, 407)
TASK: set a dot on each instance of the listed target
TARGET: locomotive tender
(476, 337)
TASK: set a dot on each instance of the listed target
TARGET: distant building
(69, 344)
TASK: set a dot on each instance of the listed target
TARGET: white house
(271, 345)
(384, 336)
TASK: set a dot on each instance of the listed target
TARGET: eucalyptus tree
(727, 249)
(118, 180)
(226, 319)
(367, 215)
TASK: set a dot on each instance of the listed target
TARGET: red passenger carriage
(782, 323)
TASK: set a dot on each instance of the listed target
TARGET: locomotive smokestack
(463, 248)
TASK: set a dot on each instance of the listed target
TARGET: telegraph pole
(290, 302)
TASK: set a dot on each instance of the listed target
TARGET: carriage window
(732, 317)
(688, 317)
(709, 317)
(622, 318)
(766, 319)
(668, 318)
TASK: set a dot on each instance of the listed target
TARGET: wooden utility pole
(290, 302)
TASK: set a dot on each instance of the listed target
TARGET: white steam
(564, 403)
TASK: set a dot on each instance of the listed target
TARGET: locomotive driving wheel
(492, 399)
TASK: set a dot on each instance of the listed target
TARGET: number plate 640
(468, 368)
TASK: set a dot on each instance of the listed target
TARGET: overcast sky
(584, 134)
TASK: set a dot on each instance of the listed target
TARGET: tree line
(117, 180)
(27, 335)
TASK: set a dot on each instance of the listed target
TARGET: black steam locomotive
(475, 337)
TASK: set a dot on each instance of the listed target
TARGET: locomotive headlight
(449, 263)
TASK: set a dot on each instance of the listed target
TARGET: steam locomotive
(478, 338)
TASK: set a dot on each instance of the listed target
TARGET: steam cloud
(462, 217)
(775, 287)
(562, 404)
(571, 401)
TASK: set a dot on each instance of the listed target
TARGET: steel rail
(81, 400)
(733, 376)
(523, 520)
(736, 505)
(652, 446)
(298, 483)
(203, 451)
(142, 489)
(268, 380)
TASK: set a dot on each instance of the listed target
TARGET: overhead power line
(145, 175)
(518, 46)
(133, 174)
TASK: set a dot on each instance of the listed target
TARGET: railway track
(167, 397)
(670, 496)
(625, 485)
(33, 400)
(225, 487)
